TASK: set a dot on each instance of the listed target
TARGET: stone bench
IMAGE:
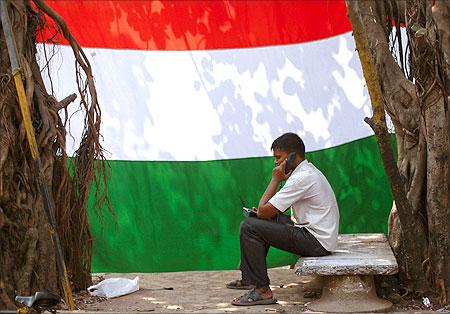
(348, 284)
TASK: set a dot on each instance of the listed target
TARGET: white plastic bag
(114, 287)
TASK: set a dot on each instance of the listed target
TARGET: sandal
(252, 297)
(237, 284)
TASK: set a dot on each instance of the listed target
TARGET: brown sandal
(253, 297)
(237, 284)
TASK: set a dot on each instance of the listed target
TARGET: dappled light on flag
(199, 25)
(228, 103)
(192, 95)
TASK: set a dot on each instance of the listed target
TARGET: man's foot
(238, 284)
(253, 297)
(265, 292)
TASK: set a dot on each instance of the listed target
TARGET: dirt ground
(200, 292)
(205, 292)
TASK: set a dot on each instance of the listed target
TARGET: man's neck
(298, 161)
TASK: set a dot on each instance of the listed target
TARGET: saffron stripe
(199, 25)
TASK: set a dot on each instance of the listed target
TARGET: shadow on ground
(202, 292)
(205, 292)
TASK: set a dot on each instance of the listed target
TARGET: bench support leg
(349, 294)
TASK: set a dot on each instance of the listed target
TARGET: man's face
(279, 155)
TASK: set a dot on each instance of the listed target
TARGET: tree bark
(441, 15)
(27, 255)
(430, 70)
(367, 50)
(419, 226)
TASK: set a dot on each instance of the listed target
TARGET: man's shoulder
(307, 169)
(303, 177)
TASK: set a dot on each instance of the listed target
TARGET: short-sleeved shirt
(313, 203)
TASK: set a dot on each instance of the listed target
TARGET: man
(311, 230)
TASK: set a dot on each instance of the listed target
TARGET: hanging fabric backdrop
(193, 93)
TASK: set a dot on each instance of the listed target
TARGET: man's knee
(247, 225)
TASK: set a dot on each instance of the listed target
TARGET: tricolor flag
(193, 93)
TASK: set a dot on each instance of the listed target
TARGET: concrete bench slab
(348, 273)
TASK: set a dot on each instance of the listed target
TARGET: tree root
(72, 193)
(404, 291)
(65, 102)
(23, 283)
(4, 298)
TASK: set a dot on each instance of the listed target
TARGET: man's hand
(265, 209)
(278, 174)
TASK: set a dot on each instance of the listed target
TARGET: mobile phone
(289, 162)
(249, 212)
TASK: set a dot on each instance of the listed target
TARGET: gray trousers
(258, 235)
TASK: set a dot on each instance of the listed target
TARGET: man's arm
(265, 209)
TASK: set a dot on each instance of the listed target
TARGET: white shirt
(313, 203)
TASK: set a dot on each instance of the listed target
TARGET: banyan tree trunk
(27, 254)
(414, 92)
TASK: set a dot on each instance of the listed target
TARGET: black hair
(289, 142)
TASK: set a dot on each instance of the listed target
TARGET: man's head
(285, 144)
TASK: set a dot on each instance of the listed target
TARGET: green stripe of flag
(176, 216)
